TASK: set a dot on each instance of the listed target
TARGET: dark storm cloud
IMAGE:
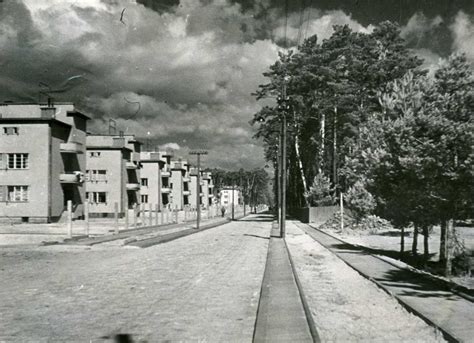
(191, 65)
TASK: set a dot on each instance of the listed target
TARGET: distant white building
(226, 195)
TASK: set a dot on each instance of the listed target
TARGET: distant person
(222, 211)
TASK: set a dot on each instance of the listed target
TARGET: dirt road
(203, 287)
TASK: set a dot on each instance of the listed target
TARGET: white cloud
(172, 146)
(320, 24)
(463, 34)
(419, 25)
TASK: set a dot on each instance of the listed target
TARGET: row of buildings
(47, 157)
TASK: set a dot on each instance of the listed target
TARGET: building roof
(34, 120)
(78, 114)
(106, 147)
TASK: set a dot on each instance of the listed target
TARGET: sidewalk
(281, 315)
(34, 234)
(420, 293)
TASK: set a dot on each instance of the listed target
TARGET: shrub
(360, 201)
(319, 193)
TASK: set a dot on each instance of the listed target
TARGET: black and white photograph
(236, 171)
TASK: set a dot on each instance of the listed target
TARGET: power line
(286, 23)
(300, 28)
(308, 20)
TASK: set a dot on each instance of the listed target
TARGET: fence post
(342, 211)
(156, 214)
(116, 222)
(86, 215)
(176, 214)
(150, 215)
(162, 215)
(69, 218)
(134, 216)
(126, 218)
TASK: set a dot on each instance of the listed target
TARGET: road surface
(204, 287)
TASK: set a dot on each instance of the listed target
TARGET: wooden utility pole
(198, 153)
(283, 105)
(233, 187)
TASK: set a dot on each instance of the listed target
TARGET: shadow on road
(413, 283)
(417, 285)
(257, 236)
(258, 218)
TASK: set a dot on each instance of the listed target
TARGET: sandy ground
(204, 287)
(345, 306)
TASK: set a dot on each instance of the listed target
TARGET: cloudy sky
(181, 73)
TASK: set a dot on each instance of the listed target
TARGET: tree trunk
(449, 247)
(442, 243)
(300, 167)
(414, 246)
(322, 134)
(402, 243)
(426, 251)
(334, 152)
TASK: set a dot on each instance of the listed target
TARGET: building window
(144, 198)
(94, 154)
(17, 161)
(17, 193)
(10, 130)
(144, 182)
(97, 175)
(97, 197)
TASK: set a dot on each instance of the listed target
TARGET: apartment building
(113, 173)
(180, 184)
(42, 161)
(229, 196)
(166, 184)
(153, 177)
(207, 189)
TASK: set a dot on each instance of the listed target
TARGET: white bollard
(69, 218)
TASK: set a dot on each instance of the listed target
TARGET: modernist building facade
(42, 161)
(113, 174)
(229, 196)
(155, 179)
(207, 189)
(47, 158)
(180, 182)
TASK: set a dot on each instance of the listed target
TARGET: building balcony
(211, 196)
(166, 171)
(186, 179)
(71, 178)
(133, 186)
(186, 192)
(135, 157)
(165, 190)
(178, 165)
(211, 186)
(131, 165)
(71, 148)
